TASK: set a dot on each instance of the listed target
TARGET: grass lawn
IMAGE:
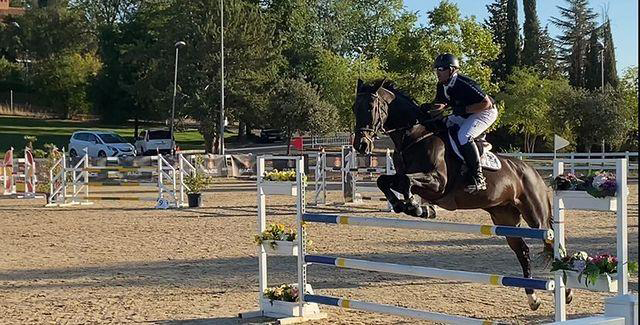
(13, 129)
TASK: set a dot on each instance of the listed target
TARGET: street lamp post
(221, 150)
(175, 85)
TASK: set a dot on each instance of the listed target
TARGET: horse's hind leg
(510, 216)
(535, 208)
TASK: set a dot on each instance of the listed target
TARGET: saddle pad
(488, 160)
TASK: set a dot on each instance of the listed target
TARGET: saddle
(488, 160)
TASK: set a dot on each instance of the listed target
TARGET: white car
(99, 144)
(152, 141)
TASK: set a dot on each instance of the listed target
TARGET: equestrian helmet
(446, 60)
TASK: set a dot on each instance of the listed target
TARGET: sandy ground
(124, 262)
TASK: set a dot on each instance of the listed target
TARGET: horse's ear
(382, 83)
(359, 85)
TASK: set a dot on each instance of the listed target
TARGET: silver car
(99, 144)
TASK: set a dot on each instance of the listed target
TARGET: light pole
(221, 151)
(175, 85)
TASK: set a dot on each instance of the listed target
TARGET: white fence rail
(543, 161)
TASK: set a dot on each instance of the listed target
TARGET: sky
(623, 14)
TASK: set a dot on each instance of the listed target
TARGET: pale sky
(623, 14)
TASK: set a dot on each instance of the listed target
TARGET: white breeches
(472, 126)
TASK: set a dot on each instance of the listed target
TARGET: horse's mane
(391, 86)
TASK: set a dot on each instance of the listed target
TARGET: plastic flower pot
(581, 200)
(195, 200)
(604, 283)
(281, 247)
(279, 188)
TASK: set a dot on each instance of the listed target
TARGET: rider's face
(443, 74)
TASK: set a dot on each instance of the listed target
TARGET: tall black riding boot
(472, 159)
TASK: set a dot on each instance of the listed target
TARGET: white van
(152, 141)
(99, 144)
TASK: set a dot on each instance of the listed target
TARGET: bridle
(377, 111)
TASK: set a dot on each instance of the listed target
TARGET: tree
(512, 37)
(629, 89)
(592, 71)
(252, 61)
(531, 49)
(52, 31)
(337, 76)
(528, 101)
(610, 71)
(598, 116)
(296, 107)
(62, 82)
(408, 55)
(548, 63)
(497, 24)
(576, 22)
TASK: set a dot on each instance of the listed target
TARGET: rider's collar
(452, 80)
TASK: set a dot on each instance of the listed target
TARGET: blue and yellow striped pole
(487, 230)
(430, 272)
(394, 310)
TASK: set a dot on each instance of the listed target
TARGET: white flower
(599, 180)
(580, 256)
(579, 265)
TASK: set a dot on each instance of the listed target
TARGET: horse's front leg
(388, 182)
(403, 183)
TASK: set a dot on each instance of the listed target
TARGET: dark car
(271, 135)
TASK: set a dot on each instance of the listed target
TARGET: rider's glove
(459, 110)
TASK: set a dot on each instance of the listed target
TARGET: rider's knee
(463, 137)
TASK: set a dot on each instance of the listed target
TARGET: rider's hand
(437, 110)
(460, 110)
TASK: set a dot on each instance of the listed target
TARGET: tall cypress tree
(610, 71)
(548, 63)
(592, 64)
(512, 37)
(576, 23)
(497, 23)
(531, 49)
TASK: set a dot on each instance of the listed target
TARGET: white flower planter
(279, 308)
(281, 247)
(279, 188)
(581, 200)
(605, 282)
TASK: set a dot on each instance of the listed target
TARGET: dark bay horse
(426, 166)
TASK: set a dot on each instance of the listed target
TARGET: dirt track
(122, 262)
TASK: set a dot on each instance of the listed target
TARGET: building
(5, 10)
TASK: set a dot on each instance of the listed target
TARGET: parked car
(152, 141)
(99, 144)
(271, 135)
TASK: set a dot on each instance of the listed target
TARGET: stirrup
(477, 185)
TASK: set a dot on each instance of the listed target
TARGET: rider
(473, 112)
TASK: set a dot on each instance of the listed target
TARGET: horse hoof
(413, 210)
(431, 212)
(534, 301)
(568, 296)
(535, 305)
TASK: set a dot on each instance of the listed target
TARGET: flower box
(279, 308)
(605, 282)
(279, 188)
(281, 247)
(581, 200)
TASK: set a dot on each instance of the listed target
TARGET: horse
(426, 166)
